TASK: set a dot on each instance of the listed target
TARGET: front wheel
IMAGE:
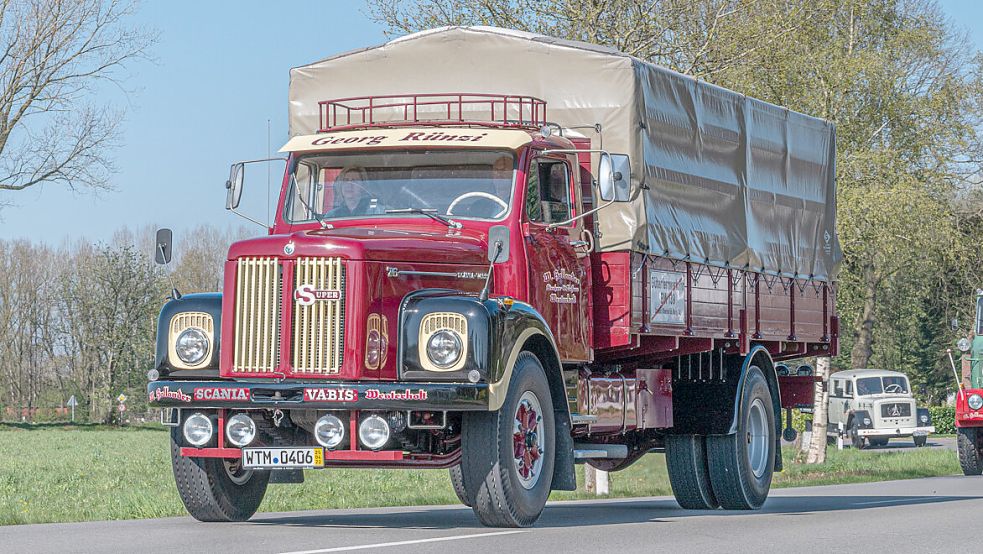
(742, 464)
(214, 489)
(507, 456)
(970, 457)
(856, 440)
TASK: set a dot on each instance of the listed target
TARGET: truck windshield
(881, 385)
(454, 183)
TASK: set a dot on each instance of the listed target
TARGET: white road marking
(404, 543)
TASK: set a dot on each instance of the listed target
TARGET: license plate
(920, 433)
(254, 458)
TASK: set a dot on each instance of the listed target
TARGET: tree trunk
(817, 447)
(864, 332)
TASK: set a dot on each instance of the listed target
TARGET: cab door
(559, 276)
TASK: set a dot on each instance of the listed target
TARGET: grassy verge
(80, 473)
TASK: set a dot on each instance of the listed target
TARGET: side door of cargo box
(559, 276)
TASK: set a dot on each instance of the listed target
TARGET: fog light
(241, 430)
(198, 429)
(153, 375)
(975, 401)
(474, 376)
(373, 432)
(329, 431)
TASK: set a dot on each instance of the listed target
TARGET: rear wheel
(970, 457)
(457, 481)
(689, 475)
(741, 464)
(214, 489)
(508, 455)
(920, 440)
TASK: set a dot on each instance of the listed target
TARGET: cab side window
(548, 191)
(849, 389)
(838, 388)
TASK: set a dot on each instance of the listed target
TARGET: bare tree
(52, 53)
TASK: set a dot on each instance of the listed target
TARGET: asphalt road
(922, 515)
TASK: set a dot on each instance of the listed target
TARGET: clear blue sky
(220, 74)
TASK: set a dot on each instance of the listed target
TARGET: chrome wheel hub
(527, 450)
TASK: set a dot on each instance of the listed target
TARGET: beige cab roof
(411, 137)
(858, 373)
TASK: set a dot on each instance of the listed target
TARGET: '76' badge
(305, 295)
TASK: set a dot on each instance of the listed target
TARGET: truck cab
(969, 397)
(871, 406)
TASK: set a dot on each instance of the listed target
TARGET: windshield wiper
(429, 212)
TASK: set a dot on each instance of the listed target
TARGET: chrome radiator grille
(257, 315)
(319, 325)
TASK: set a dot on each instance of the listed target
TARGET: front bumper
(340, 395)
(897, 431)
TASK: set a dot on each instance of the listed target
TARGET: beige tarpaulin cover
(724, 179)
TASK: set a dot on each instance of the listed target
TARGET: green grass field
(59, 474)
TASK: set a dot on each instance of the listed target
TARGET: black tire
(970, 457)
(209, 492)
(492, 483)
(855, 439)
(733, 476)
(457, 482)
(882, 441)
(920, 441)
(689, 475)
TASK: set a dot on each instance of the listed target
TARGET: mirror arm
(553, 226)
(244, 216)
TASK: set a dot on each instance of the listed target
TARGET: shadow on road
(601, 512)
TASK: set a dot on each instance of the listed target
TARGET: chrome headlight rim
(963, 344)
(203, 350)
(329, 423)
(975, 401)
(240, 419)
(188, 429)
(377, 425)
(448, 338)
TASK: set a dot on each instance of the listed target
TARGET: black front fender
(209, 303)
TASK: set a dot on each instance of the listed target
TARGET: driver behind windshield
(501, 178)
(352, 198)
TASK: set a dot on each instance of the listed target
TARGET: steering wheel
(893, 387)
(478, 194)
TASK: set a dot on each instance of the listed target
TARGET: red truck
(478, 282)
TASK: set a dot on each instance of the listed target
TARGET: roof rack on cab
(485, 110)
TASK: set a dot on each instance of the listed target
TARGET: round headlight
(329, 431)
(975, 401)
(240, 429)
(923, 418)
(198, 429)
(866, 421)
(444, 348)
(191, 346)
(373, 432)
(963, 345)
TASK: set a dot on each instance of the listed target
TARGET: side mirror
(498, 244)
(234, 186)
(614, 178)
(162, 248)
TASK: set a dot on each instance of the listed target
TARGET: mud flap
(564, 474)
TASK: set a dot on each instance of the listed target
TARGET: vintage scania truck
(582, 258)
(969, 397)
